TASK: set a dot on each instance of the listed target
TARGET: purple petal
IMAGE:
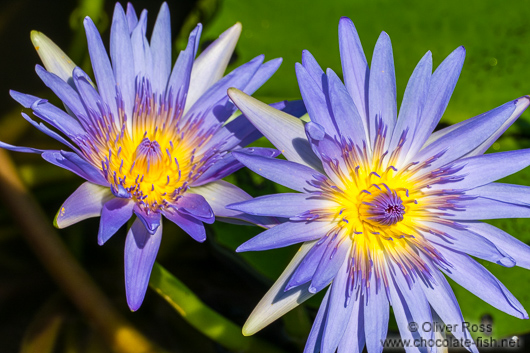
(43, 128)
(382, 88)
(313, 69)
(314, 340)
(216, 95)
(353, 338)
(315, 131)
(518, 250)
(332, 260)
(263, 74)
(114, 215)
(517, 194)
(143, 61)
(75, 164)
(466, 241)
(121, 54)
(339, 310)
(315, 99)
(354, 67)
(443, 301)
(281, 205)
(403, 316)
(481, 208)
(220, 193)
(240, 132)
(161, 49)
(330, 153)
(309, 264)
(498, 165)
(196, 206)
(286, 234)
(132, 18)
(86, 202)
(286, 173)
(151, 220)
(412, 105)
(63, 90)
(50, 114)
(521, 104)
(413, 301)
(212, 62)
(229, 164)
(92, 101)
(479, 281)
(9, 147)
(283, 130)
(101, 65)
(141, 248)
(189, 224)
(347, 119)
(441, 88)
(466, 138)
(26, 100)
(295, 108)
(179, 81)
(376, 322)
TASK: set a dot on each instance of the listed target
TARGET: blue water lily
(150, 140)
(384, 207)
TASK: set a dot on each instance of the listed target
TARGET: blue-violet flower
(385, 207)
(150, 140)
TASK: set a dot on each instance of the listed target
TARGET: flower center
(153, 156)
(383, 208)
(148, 155)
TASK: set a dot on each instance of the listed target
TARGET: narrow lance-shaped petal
(53, 58)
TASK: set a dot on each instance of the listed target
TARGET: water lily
(384, 207)
(149, 139)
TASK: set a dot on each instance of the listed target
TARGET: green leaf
(202, 317)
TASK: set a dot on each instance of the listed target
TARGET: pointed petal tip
(238, 26)
(507, 262)
(384, 36)
(53, 58)
(233, 32)
(234, 206)
(461, 50)
(118, 7)
(235, 93)
(35, 37)
(248, 328)
(55, 223)
(298, 66)
(134, 304)
(523, 101)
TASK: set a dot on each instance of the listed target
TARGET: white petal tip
(250, 327)
(53, 58)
